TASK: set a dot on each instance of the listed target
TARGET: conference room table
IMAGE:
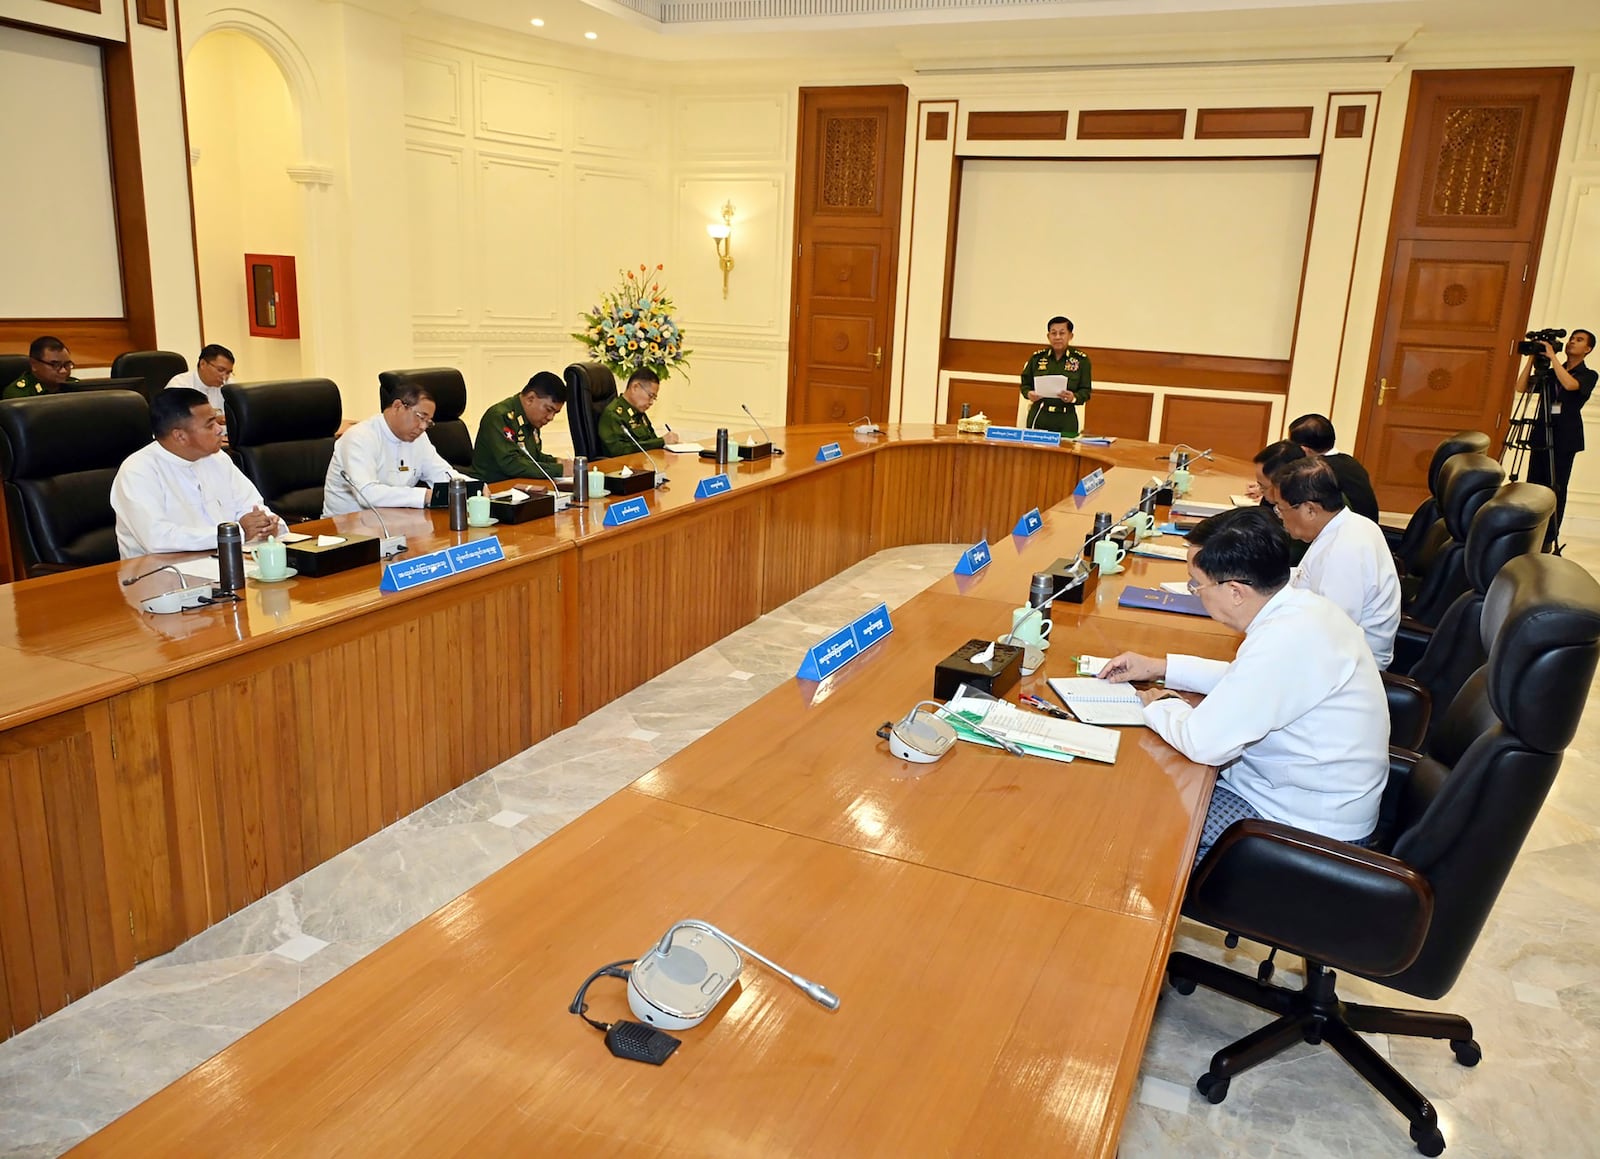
(996, 926)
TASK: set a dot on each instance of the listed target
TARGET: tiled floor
(1532, 988)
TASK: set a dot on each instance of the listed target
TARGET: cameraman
(1567, 387)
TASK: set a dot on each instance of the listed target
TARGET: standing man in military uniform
(508, 444)
(624, 416)
(49, 365)
(1049, 413)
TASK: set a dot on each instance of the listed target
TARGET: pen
(1045, 707)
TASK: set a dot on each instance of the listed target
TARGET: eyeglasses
(67, 364)
(1195, 589)
(425, 420)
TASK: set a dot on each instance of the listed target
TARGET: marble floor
(1532, 988)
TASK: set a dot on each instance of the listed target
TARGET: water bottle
(580, 480)
(966, 410)
(458, 505)
(1041, 590)
(1180, 474)
(722, 446)
(1102, 524)
(230, 558)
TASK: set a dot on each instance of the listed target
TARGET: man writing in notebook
(1298, 723)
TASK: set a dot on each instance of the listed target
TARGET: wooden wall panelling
(151, 850)
(1145, 367)
(1232, 426)
(1019, 125)
(816, 527)
(661, 593)
(998, 400)
(997, 489)
(1253, 124)
(93, 341)
(153, 13)
(127, 182)
(1132, 124)
(63, 901)
(913, 486)
(1122, 413)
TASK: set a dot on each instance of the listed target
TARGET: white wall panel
(616, 123)
(721, 380)
(758, 286)
(733, 128)
(517, 109)
(520, 239)
(616, 216)
(433, 92)
(438, 244)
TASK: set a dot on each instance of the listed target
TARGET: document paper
(1097, 702)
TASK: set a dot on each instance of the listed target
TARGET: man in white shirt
(170, 495)
(1349, 560)
(212, 371)
(387, 457)
(1298, 723)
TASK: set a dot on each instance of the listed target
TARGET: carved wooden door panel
(1469, 213)
(847, 240)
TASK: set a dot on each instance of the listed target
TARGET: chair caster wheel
(1180, 984)
(1467, 1050)
(1231, 941)
(1215, 1088)
(1264, 972)
(1429, 1140)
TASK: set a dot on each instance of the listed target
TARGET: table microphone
(816, 991)
(776, 450)
(865, 426)
(661, 478)
(562, 501)
(389, 544)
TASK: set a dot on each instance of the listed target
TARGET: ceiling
(1063, 33)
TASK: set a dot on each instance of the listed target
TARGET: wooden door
(1476, 167)
(847, 242)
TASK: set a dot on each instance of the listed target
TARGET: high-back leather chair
(1452, 826)
(449, 433)
(590, 389)
(1467, 483)
(1439, 660)
(282, 433)
(155, 367)
(12, 367)
(59, 454)
(1412, 547)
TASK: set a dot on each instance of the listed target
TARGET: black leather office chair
(1439, 660)
(1414, 546)
(1467, 483)
(155, 367)
(1452, 825)
(59, 454)
(590, 388)
(282, 433)
(12, 367)
(450, 435)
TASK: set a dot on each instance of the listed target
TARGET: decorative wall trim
(451, 68)
(938, 127)
(1147, 367)
(1132, 124)
(1257, 123)
(1018, 125)
(151, 13)
(312, 176)
(82, 6)
(1351, 122)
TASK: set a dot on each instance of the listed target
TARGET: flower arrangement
(632, 328)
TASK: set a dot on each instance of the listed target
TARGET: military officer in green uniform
(49, 365)
(624, 416)
(1049, 413)
(508, 433)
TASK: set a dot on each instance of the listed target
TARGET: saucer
(254, 574)
(1115, 569)
(489, 522)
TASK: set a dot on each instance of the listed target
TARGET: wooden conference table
(996, 927)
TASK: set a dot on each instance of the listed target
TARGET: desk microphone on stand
(776, 450)
(562, 500)
(389, 544)
(661, 478)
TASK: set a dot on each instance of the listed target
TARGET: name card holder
(1090, 483)
(436, 565)
(973, 560)
(715, 485)
(828, 452)
(843, 646)
(627, 511)
(1003, 434)
(1040, 438)
(1029, 523)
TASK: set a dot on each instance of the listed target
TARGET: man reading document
(1297, 724)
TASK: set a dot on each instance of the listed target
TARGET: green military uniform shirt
(1057, 414)
(620, 419)
(29, 387)
(506, 440)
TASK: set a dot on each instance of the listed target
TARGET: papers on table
(1053, 386)
(685, 448)
(1161, 551)
(1036, 734)
(1177, 587)
(1097, 702)
(509, 495)
(1091, 665)
(1242, 500)
(292, 537)
(1096, 440)
(203, 569)
(1194, 509)
(329, 540)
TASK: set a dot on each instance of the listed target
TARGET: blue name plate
(1090, 483)
(1003, 434)
(846, 644)
(1029, 523)
(827, 453)
(625, 511)
(715, 485)
(1042, 438)
(973, 560)
(397, 577)
(478, 553)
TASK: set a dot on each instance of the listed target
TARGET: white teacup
(1030, 627)
(1108, 556)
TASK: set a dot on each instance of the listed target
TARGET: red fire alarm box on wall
(269, 288)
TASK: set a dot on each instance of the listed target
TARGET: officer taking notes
(1056, 379)
(508, 433)
(625, 415)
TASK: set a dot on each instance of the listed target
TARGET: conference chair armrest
(1411, 640)
(39, 569)
(1336, 903)
(1410, 706)
(1392, 535)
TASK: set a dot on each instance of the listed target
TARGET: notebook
(1098, 702)
(1156, 600)
(1193, 509)
(1162, 551)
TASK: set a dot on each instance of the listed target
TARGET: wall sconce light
(721, 237)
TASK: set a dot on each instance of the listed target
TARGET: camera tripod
(1530, 440)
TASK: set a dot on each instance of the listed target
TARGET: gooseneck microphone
(183, 580)
(776, 450)
(389, 544)
(661, 478)
(554, 488)
(816, 991)
(1009, 746)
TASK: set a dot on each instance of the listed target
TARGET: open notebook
(1098, 702)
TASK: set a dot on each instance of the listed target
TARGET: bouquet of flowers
(632, 328)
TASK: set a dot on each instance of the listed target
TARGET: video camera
(1530, 345)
